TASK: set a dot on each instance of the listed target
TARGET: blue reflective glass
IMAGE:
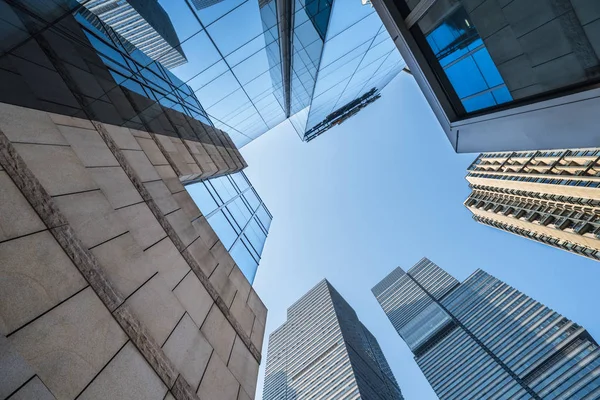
(223, 229)
(264, 217)
(466, 78)
(202, 197)
(245, 261)
(479, 102)
(256, 236)
(252, 199)
(488, 68)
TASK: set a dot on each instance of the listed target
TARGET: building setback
(323, 351)
(552, 197)
(112, 282)
(504, 75)
(483, 339)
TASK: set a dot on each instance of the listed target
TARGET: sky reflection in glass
(238, 216)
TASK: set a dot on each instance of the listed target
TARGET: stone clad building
(113, 285)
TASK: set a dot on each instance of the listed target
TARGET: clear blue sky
(383, 190)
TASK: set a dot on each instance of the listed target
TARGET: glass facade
(497, 342)
(143, 24)
(323, 351)
(238, 216)
(136, 71)
(491, 53)
(466, 62)
(358, 55)
(228, 66)
(235, 67)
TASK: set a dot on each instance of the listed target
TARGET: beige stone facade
(548, 196)
(112, 283)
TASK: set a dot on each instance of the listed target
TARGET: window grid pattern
(506, 346)
(237, 215)
(323, 352)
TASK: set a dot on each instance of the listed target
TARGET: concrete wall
(112, 283)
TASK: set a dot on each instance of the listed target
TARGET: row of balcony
(540, 237)
(579, 222)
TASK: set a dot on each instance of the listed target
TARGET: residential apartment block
(483, 339)
(549, 196)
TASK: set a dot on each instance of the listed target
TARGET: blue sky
(383, 190)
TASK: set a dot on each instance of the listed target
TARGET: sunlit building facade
(323, 351)
(552, 197)
(483, 339)
(143, 24)
(504, 75)
(238, 216)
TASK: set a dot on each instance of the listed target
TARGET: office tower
(504, 75)
(548, 196)
(332, 56)
(143, 24)
(112, 282)
(238, 216)
(323, 351)
(483, 339)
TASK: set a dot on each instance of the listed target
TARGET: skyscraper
(483, 339)
(324, 351)
(549, 196)
(504, 75)
(336, 54)
(143, 24)
(253, 65)
(112, 282)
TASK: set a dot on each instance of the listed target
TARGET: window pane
(223, 228)
(202, 198)
(244, 260)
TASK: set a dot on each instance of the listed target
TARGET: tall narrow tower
(324, 351)
(482, 339)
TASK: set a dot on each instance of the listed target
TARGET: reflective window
(498, 53)
(238, 216)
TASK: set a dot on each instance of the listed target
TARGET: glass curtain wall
(358, 55)
(238, 216)
(491, 53)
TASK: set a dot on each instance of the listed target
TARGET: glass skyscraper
(483, 339)
(252, 65)
(323, 351)
(238, 216)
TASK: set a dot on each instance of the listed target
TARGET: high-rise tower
(483, 339)
(548, 196)
(324, 351)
